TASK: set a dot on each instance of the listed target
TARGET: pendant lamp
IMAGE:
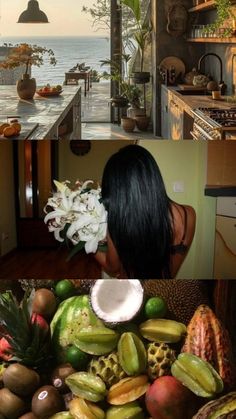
(33, 14)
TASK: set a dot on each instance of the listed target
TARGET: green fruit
(77, 358)
(72, 315)
(64, 289)
(155, 308)
(97, 340)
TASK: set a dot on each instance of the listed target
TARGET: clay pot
(26, 87)
(133, 112)
(142, 122)
(128, 124)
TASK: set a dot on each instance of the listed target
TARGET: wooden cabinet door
(225, 248)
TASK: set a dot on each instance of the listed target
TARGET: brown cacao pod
(222, 408)
(208, 339)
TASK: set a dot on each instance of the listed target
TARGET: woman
(148, 234)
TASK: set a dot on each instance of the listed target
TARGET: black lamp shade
(33, 14)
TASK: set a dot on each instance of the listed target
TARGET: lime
(155, 308)
(64, 289)
(77, 358)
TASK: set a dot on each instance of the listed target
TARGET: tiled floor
(96, 117)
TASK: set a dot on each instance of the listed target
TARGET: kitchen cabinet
(175, 119)
(225, 239)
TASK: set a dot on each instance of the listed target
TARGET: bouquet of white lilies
(77, 215)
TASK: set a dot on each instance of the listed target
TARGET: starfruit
(96, 340)
(80, 408)
(62, 415)
(198, 375)
(127, 390)
(132, 354)
(163, 330)
(86, 386)
(127, 411)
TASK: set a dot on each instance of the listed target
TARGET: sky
(65, 17)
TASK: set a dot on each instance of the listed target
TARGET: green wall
(187, 161)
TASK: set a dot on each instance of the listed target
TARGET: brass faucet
(222, 85)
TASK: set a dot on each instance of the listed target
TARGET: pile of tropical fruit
(10, 129)
(111, 353)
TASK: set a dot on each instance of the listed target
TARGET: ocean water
(68, 51)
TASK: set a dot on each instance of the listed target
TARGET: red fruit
(5, 347)
(167, 398)
(40, 321)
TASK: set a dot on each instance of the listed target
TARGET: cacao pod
(208, 339)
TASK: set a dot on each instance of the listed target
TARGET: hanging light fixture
(33, 14)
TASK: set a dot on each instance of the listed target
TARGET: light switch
(178, 186)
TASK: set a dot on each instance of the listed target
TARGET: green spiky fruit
(160, 357)
(107, 367)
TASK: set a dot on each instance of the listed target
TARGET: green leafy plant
(28, 55)
(141, 30)
(223, 12)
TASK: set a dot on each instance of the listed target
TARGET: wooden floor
(48, 264)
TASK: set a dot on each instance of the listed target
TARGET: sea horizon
(74, 50)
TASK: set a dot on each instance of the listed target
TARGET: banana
(132, 354)
(163, 330)
(196, 374)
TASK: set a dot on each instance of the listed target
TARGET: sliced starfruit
(127, 390)
(163, 330)
(127, 411)
(87, 386)
(62, 415)
(80, 408)
(96, 340)
(198, 375)
(132, 354)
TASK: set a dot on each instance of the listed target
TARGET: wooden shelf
(207, 5)
(203, 6)
(231, 40)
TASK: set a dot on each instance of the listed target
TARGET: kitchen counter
(191, 102)
(54, 117)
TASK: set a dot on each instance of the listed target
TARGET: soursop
(108, 368)
(160, 357)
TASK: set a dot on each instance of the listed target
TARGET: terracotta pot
(128, 124)
(133, 112)
(142, 122)
(26, 87)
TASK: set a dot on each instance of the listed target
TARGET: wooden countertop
(47, 112)
(191, 102)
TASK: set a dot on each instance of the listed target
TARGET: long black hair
(139, 213)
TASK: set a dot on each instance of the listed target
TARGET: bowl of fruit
(49, 90)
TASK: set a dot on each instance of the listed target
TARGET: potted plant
(223, 13)
(140, 33)
(27, 55)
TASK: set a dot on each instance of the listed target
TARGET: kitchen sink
(192, 92)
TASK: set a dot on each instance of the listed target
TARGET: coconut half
(116, 300)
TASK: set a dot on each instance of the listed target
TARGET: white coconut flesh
(117, 300)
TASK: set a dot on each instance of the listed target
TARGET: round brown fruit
(59, 375)
(20, 379)
(17, 127)
(11, 405)
(44, 302)
(212, 85)
(28, 415)
(46, 402)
